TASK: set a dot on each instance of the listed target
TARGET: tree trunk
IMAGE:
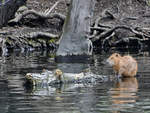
(74, 40)
(8, 9)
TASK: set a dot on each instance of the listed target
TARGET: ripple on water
(124, 96)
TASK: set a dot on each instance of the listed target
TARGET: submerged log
(58, 77)
(74, 40)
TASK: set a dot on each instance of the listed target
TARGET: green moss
(34, 43)
(42, 40)
(52, 41)
(52, 55)
(3, 1)
(9, 41)
(148, 2)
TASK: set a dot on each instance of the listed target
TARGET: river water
(124, 96)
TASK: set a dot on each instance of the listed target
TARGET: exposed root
(43, 15)
(38, 14)
(107, 33)
(33, 35)
(104, 31)
(107, 39)
(26, 40)
(127, 40)
(109, 15)
(95, 26)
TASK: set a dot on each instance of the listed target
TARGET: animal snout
(104, 62)
(109, 62)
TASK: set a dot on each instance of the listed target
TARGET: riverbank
(114, 24)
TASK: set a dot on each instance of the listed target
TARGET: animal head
(58, 73)
(113, 59)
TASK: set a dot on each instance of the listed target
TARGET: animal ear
(117, 55)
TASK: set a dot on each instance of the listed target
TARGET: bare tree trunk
(74, 40)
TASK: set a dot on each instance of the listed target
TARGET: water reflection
(72, 67)
(126, 95)
(123, 95)
(4, 97)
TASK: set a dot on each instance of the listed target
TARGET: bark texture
(74, 40)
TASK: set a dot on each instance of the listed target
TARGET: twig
(50, 10)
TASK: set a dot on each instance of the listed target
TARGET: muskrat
(125, 66)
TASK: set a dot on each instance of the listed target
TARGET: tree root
(34, 35)
(103, 34)
(107, 34)
(26, 40)
(127, 41)
(95, 26)
(43, 15)
(38, 14)
(107, 39)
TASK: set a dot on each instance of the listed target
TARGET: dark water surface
(125, 96)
